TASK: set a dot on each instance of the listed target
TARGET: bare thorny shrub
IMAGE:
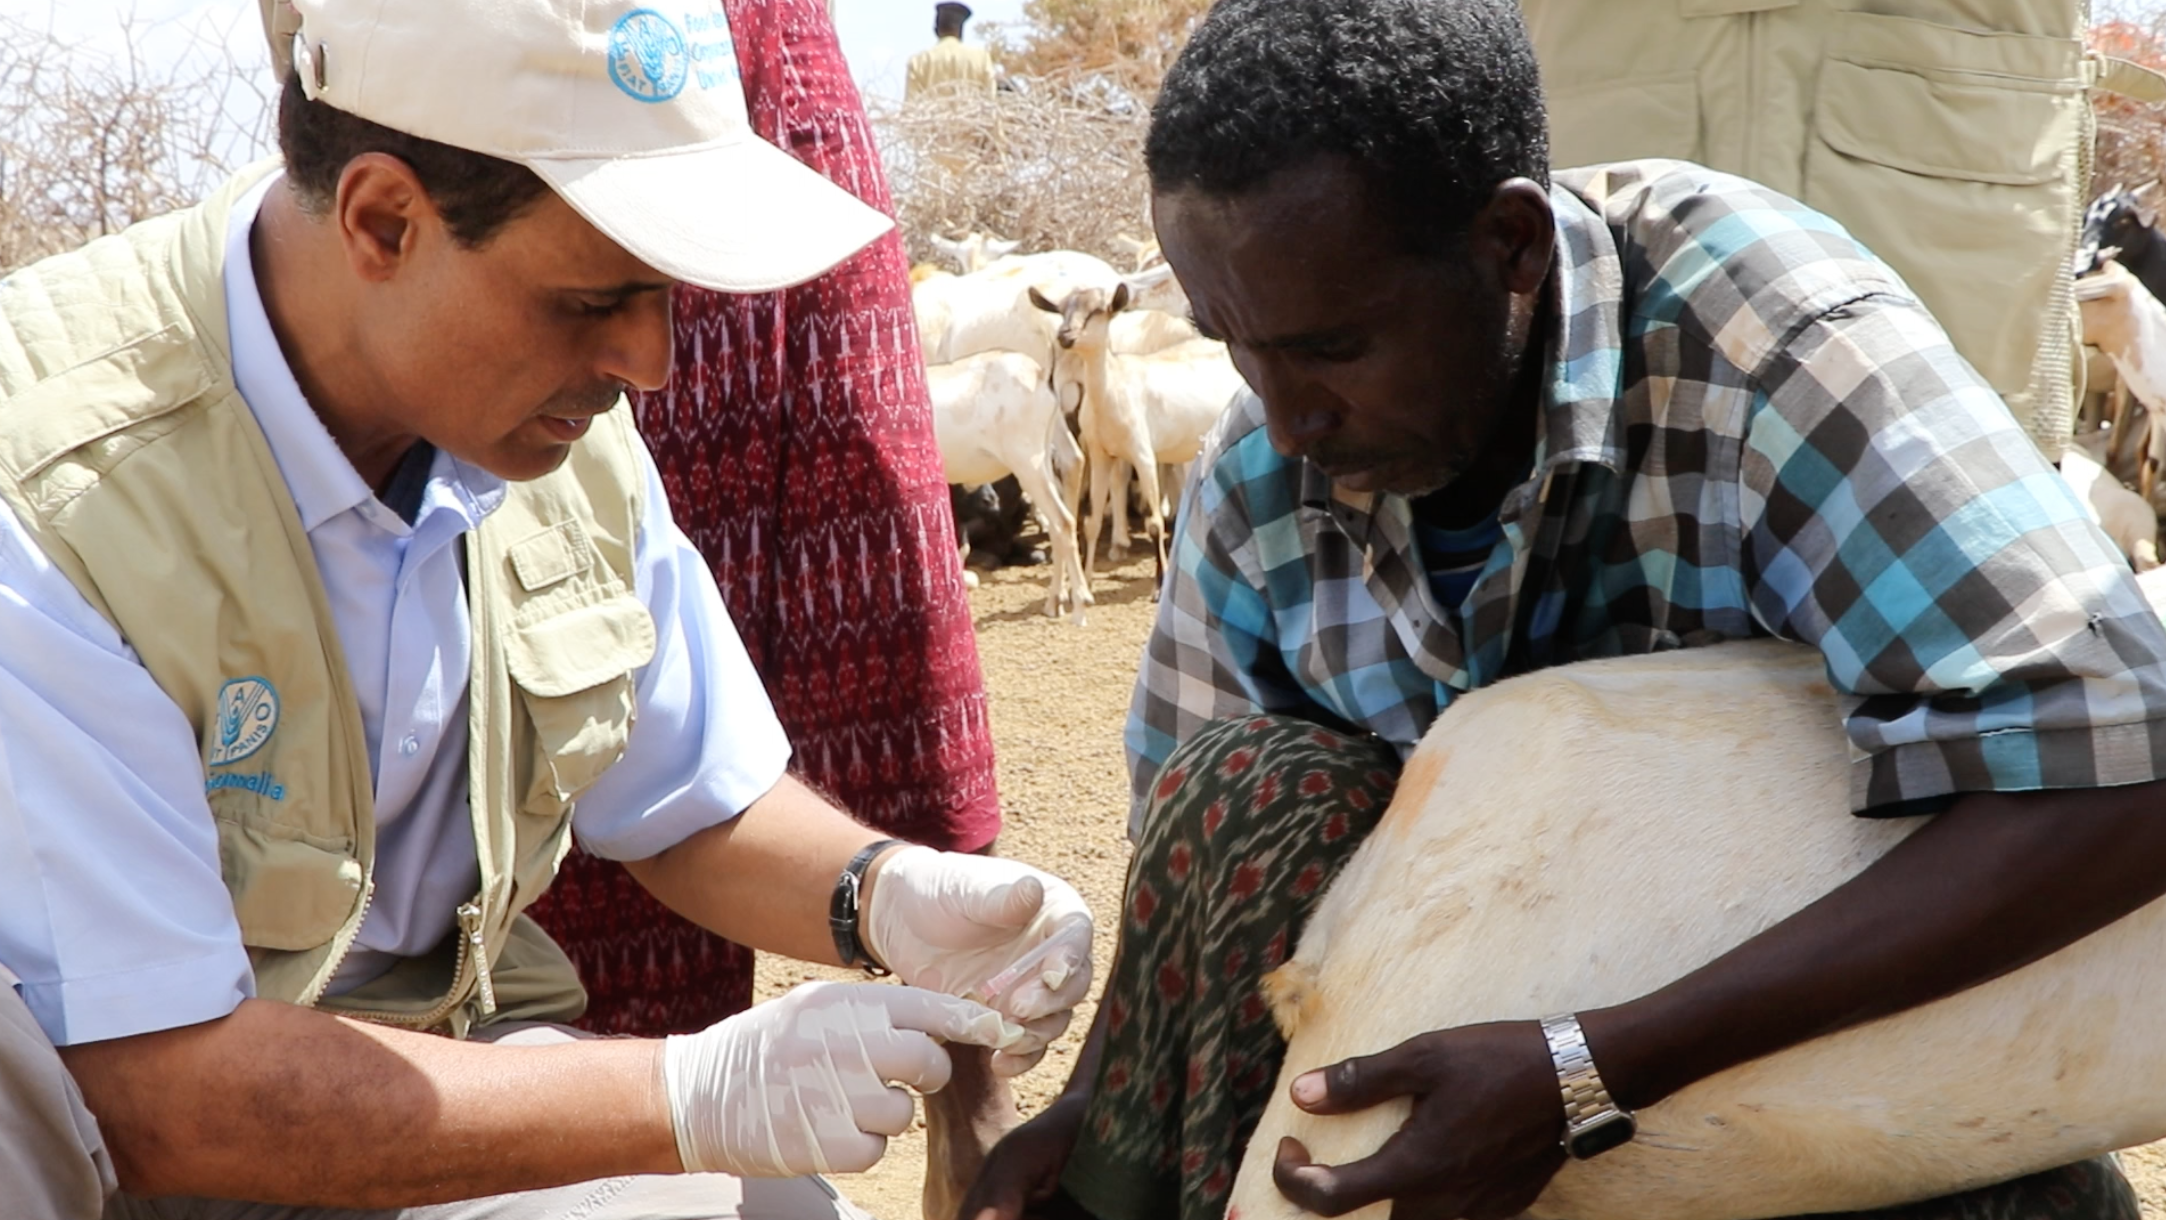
(91, 143)
(1054, 167)
(1055, 159)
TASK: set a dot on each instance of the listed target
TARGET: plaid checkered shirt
(1749, 427)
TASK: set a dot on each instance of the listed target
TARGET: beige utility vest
(1952, 137)
(130, 457)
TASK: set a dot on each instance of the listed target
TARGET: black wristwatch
(843, 911)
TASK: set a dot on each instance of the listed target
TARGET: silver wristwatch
(1593, 1124)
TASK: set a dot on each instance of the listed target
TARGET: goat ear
(1038, 298)
(996, 248)
(1120, 298)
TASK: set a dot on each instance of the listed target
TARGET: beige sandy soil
(1058, 695)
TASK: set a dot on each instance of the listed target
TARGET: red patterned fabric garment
(795, 441)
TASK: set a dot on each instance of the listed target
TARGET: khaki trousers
(53, 1164)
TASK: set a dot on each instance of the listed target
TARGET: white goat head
(1085, 314)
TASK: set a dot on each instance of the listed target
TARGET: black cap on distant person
(950, 11)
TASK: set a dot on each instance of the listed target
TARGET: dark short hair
(1438, 101)
(476, 194)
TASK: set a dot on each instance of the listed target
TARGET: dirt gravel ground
(1058, 695)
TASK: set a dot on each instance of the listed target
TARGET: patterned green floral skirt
(1250, 821)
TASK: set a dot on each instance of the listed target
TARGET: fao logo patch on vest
(247, 716)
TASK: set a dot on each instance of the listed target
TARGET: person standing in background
(1953, 139)
(949, 63)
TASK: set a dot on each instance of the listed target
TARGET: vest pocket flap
(557, 553)
(581, 647)
(1974, 106)
(286, 894)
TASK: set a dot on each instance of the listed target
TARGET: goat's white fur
(1155, 287)
(975, 251)
(994, 415)
(1583, 835)
(1142, 412)
(2120, 513)
(989, 310)
(2122, 319)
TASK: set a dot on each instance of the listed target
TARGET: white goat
(988, 310)
(1139, 332)
(1583, 835)
(994, 415)
(1147, 411)
(1154, 287)
(975, 251)
(1141, 252)
(2121, 514)
(2122, 319)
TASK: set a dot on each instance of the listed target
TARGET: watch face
(1600, 1137)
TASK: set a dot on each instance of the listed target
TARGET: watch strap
(844, 911)
(1586, 1099)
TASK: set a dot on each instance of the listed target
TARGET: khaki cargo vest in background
(1952, 137)
(949, 63)
(130, 457)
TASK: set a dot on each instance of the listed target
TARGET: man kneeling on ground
(1502, 421)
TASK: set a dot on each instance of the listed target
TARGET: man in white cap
(337, 593)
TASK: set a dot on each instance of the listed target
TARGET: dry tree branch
(1055, 163)
(91, 142)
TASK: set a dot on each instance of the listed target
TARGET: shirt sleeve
(1985, 634)
(706, 743)
(1212, 651)
(112, 909)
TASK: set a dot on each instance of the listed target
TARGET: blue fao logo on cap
(647, 56)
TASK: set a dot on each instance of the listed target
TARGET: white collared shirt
(112, 910)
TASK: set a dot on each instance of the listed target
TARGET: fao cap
(634, 115)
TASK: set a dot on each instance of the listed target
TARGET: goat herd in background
(1067, 375)
(1054, 375)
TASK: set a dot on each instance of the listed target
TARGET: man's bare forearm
(1995, 883)
(280, 1104)
(764, 878)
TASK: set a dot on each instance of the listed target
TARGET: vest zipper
(470, 925)
(470, 947)
(338, 955)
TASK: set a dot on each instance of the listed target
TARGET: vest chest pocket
(289, 892)
(570, 650)
(1952, 154)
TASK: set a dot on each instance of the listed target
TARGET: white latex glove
(991, 929)
(800, 1084)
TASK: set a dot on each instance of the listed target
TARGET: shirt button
(411, 746)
